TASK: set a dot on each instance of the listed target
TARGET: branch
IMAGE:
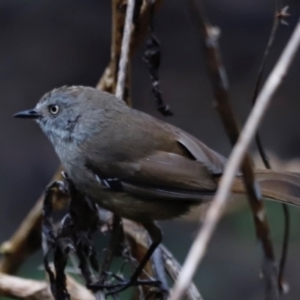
(279, 16)
(220, 86)
(152, 57)
(16, 287)
(125, 50)
(280, 13)
(27, 238)
(199, 246)
(173, 268)
(140, 29)
(171, 265)
(137, 238)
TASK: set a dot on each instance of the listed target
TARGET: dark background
(46, 44)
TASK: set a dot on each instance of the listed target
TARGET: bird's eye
(53, 109)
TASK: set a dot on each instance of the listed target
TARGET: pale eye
(53, 109)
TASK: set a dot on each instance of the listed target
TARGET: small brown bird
(137, 166)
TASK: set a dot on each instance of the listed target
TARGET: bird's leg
(117, 235)
(159, 270)
(156, 237)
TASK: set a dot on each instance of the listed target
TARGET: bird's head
(60, 111)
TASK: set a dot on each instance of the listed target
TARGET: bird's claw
(121, 286)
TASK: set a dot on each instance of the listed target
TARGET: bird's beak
(27, 114)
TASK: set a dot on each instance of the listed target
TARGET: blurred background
(46, 44)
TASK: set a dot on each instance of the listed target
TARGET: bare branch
(137, 238)
(16, 287)
(125, 50)
(276, 22)
(174, 268)
(279, 16)
(27, 238)
(12, 286)
(171, 265)
(109, 79)
(220, 86)
(199, 246)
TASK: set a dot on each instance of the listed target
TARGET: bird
(135, 165)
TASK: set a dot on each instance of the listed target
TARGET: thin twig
(27, 237)
(173, 268)
(278, 15)
(220, 86)
(109, 79)
(276, 22)
(137, 238)
(275, 25)
(27, 289)
(152, 57)
(125, 50)
(123, 73)
(116, 236)
(283, 286)
(214, 213)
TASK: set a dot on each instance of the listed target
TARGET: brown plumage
(158, 170)
(135, 165)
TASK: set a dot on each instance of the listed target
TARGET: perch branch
(137, 238)
(171, 265)
(199, 246)
(27, 289)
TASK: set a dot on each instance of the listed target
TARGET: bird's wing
(212, 160)
(162, 175)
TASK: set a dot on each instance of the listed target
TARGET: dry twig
(279, 16)
(109, 79)
(199, 246)
(173, 268)
(16, 287)
(123, 64)
(219, 81)
(27, 238)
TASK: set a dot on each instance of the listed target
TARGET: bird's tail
(278, 186)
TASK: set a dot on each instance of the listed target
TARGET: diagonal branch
(171, 265)
(199, 246)
(27, 289)
(220, 86)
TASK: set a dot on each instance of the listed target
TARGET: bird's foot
(121, 285)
